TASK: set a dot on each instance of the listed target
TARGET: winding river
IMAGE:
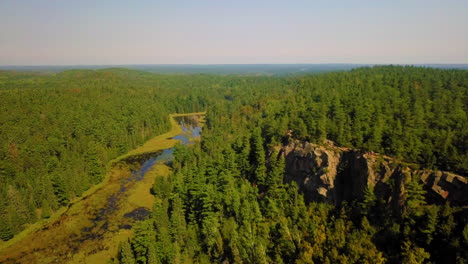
(89, 230)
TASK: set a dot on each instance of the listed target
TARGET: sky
(116, 32)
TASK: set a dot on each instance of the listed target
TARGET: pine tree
(6, 232)
(465, 234)
(258, 158)
(177, 219)
(93, 164)
(411, 254)
(60, 190)
(415, 198)
(276, 175)
(125, 253)
(368, 202)
(144, 233)
(446, 223)
(243, 159)
(152, 255)
(46, 211)
(429, 224)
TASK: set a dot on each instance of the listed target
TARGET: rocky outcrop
(445, 186)
(332, 174)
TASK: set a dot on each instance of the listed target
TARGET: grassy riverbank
(72, 234)
(163, 141)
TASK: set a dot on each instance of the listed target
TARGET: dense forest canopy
(227, 199)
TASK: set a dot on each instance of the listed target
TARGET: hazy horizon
(223, 69)
(230, 64)
(63, 33)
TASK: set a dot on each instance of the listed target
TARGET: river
(191, 131)
(89, 230)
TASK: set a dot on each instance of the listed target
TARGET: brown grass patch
(80, 233)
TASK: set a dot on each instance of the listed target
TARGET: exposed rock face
(332, 174)
(445, 186)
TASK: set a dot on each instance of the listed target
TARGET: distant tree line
(227, 200)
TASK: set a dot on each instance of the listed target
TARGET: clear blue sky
(71, 32)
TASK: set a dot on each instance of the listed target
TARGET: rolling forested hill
(228, 200)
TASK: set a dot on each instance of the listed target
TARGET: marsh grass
(62, 239)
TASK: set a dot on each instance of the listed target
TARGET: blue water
(188, 128)
(165, 156)
(183, 138)
(196, 132)
(145, 168)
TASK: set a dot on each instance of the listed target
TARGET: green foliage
(144, 241)
(429, 224)
(6, 232)
(60, 191)
(412, 254)
(59, 131)
(465, 234)
(415, 199)
(276, 174)
(94, 166)
(368, 202)
(125, 254)
(228, 199)
(258, 158)
(46, 211)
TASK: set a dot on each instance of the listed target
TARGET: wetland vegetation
(67, 139)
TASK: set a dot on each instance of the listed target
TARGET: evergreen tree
(46, 211)
(144, 234)
(6, 232)
(125, 253)
(415, 199)
(429, 225)
(60, 190)
(368, 202)
(258, 158)
(151, 255)
(93, 163)
(277, 172)
(412, 254)
(244, 157)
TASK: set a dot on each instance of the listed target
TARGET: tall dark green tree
(125, 253)
(6, 232)
(258, 158)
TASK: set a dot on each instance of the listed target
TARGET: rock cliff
(334, 174)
